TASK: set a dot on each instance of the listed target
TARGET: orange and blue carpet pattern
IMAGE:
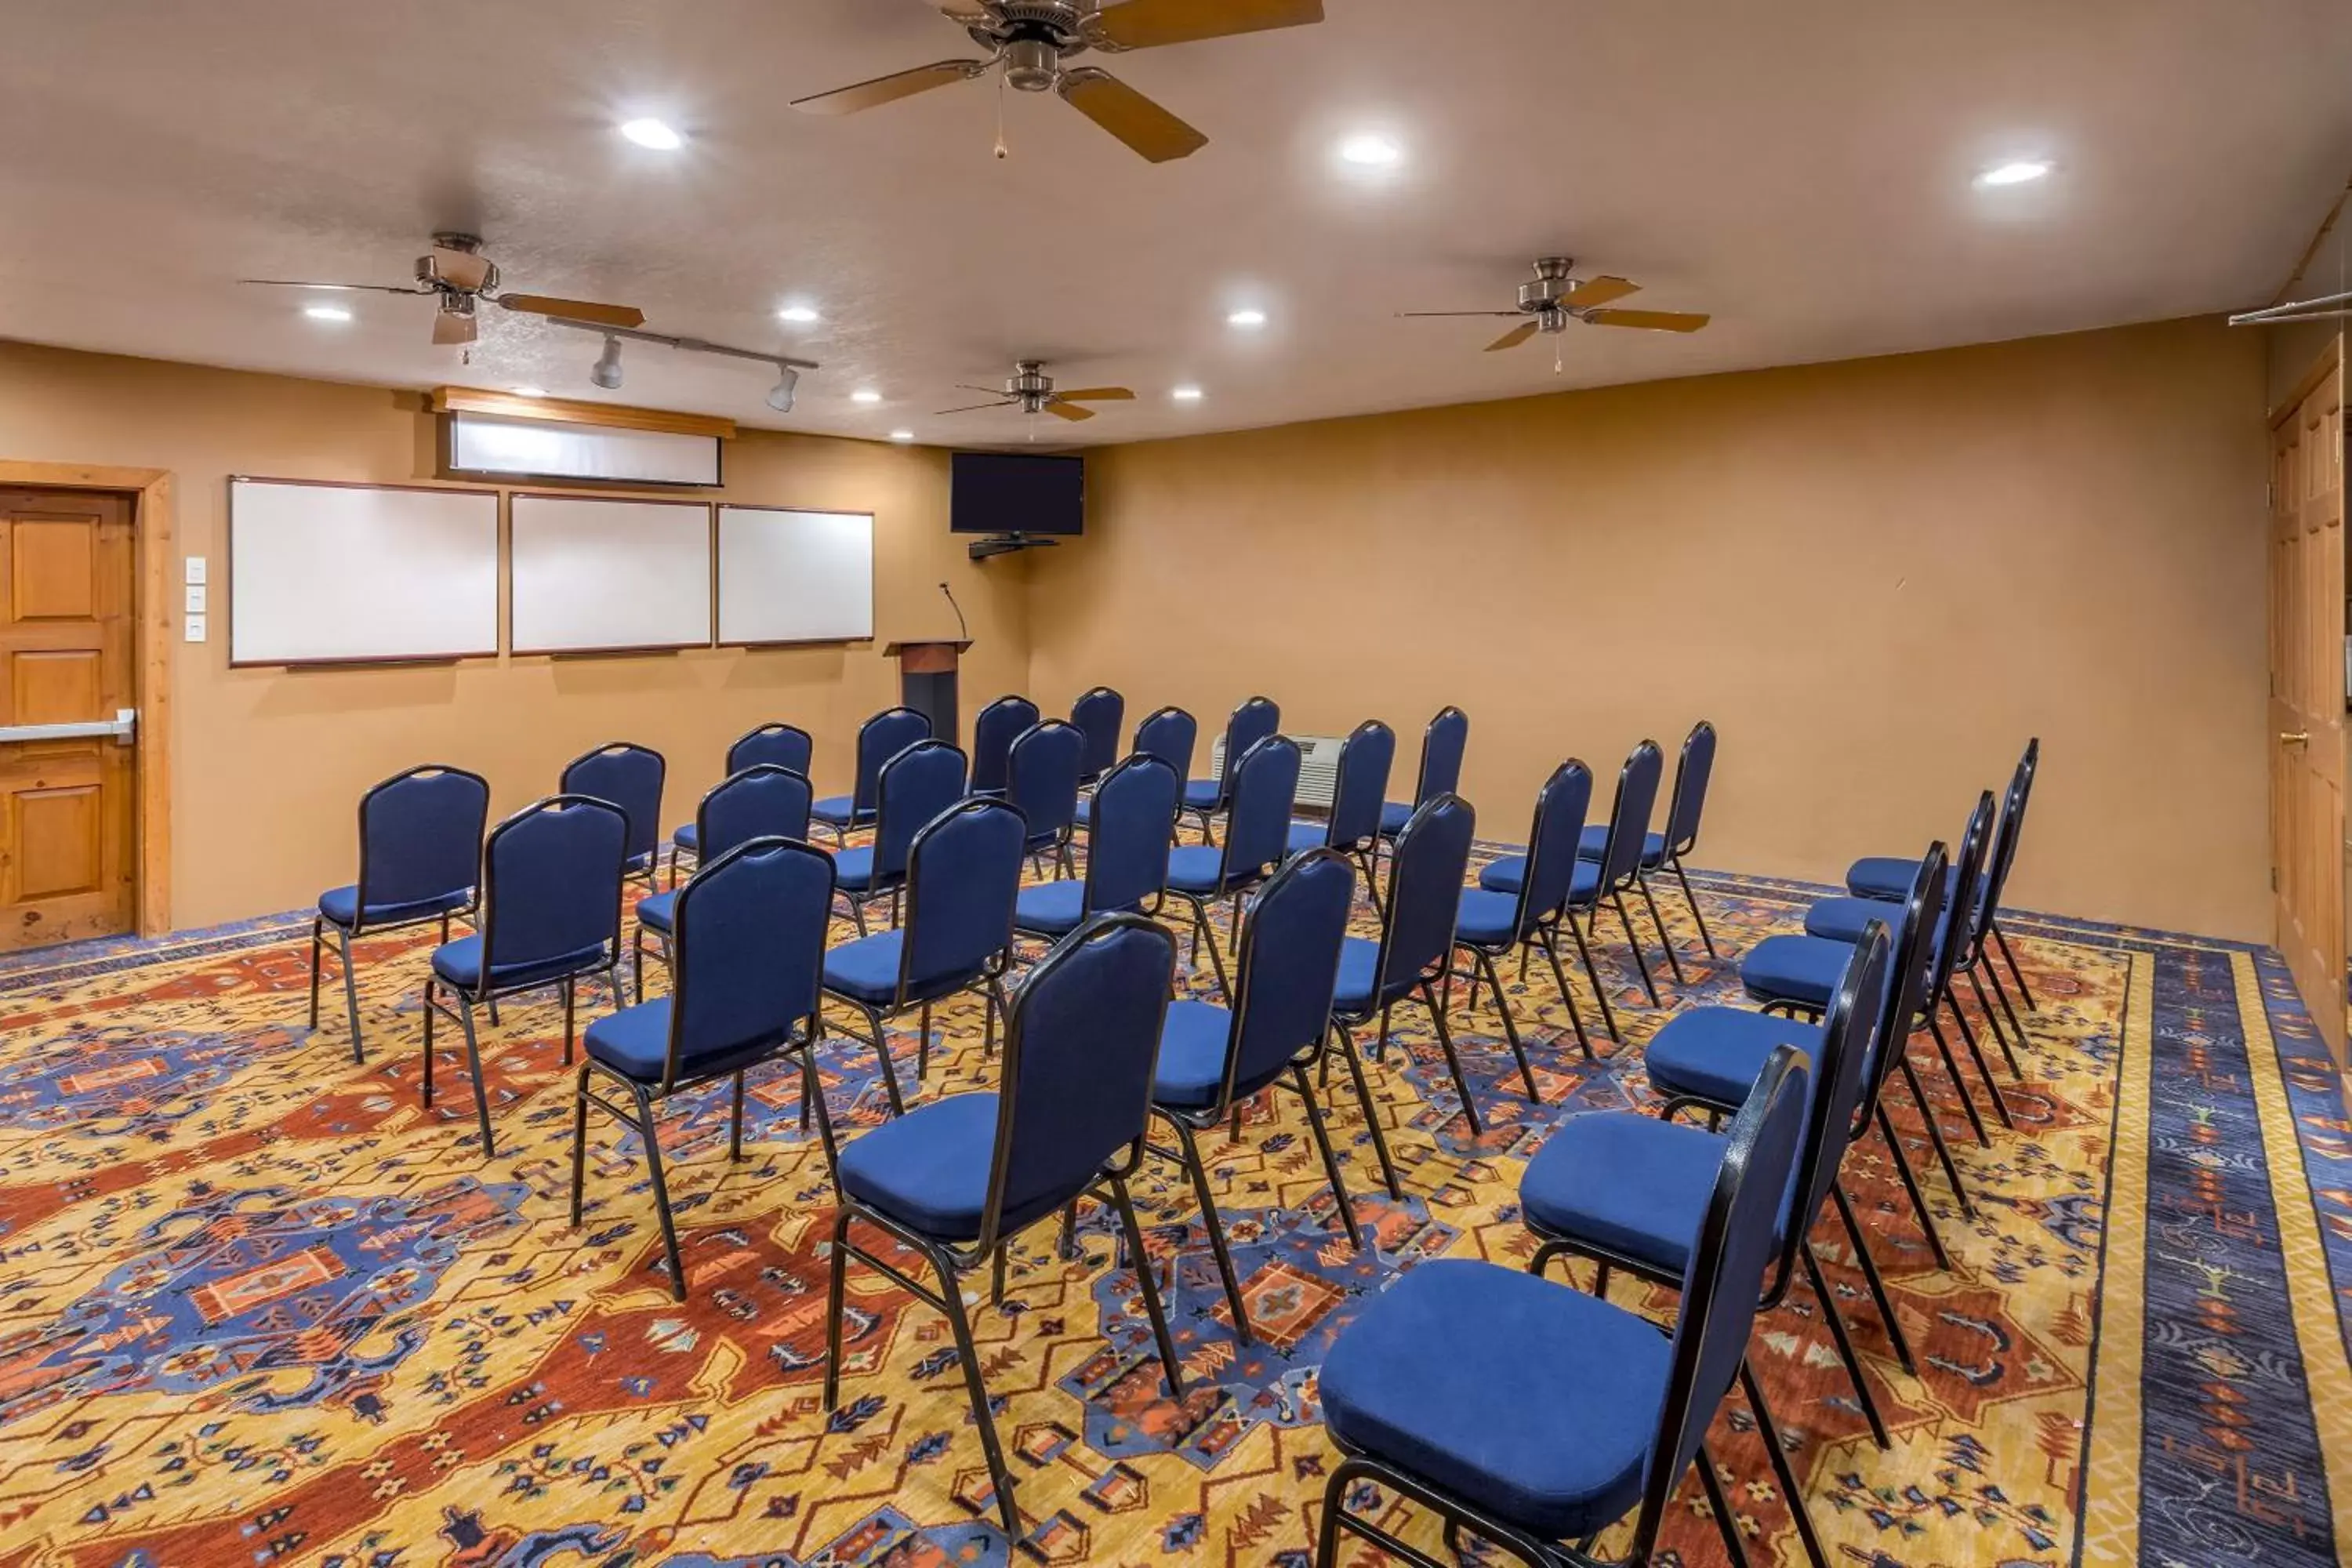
(258, 1306)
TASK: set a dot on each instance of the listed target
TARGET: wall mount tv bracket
(1008, 544)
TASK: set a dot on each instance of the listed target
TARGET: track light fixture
(779, 396)
(607, 372)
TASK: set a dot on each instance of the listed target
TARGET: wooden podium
(927, 682)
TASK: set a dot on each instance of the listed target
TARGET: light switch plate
(196, 569)
(195, 605)
(196, 628)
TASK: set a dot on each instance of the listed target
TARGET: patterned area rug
(258, 1306)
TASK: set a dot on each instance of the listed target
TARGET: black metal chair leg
(637, 962)
(1330, 1160)
(835, 1279)
(968, 1352)
(1697, 917)
(579, 1141)
(1560, 974)
(1124, 1203)
(2001, 994)
(1895, 1335)
(474, 1062)
(571, 986)
(351, 994)
(1453, 1061)
(1984, 1069)
(923, 1040)
(1726, 1523)
(1960, 1084)
(1936, 1139)
(2024, 990)
(1592, 975)
(1846, 1349)
(646, 1131)
(1371, 1111)
(1634, 946)
(427, 1079)
(1911, 1185)
(889, 1072)
(1510, 1027)
(1208, 1200)
(1768, 1432)
(735, 1134)
(1666, 939)
(318, 940)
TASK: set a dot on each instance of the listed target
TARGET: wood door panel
(61, 848)
(55, 686)
(55, 570)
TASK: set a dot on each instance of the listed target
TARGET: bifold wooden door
(2307, 694)
(67, 784)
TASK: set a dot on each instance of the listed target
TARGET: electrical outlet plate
(196, 628)
(195, 572)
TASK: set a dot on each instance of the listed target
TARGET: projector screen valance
(594, 575)
(788, 576)
(336, 573)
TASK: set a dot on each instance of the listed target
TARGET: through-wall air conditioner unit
(1318, 768)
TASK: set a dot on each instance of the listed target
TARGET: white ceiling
(1799, 168)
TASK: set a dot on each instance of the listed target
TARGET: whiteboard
(328, 573)
(596, 576)
(794, 576)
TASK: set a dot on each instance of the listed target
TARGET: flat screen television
(1016, 492)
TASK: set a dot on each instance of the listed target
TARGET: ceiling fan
(1033, 40)
(1032, 391)
(457, 272)
(1556, 298)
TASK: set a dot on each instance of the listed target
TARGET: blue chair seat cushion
(1488, 919)
(1630, 1183)
(1842, 920)
(840, 810)
(1716, 1054)
(1360, 962)
(1198, 870)
(1805, 970)
(1509, 874)
(1192, 1056)
(1085, 811)
(635, 1042)
(659, 911)
(459, 963)
(1885, 876)
(853, 869)
(1395, 815)
(866, 971)
(1202, 794)
(342, 907)
(929, 1169)
(1595, 843)
(1529, 1399)
(1050, 909)
(1306, 836)
(688, 838)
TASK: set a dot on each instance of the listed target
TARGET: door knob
(2295, 737)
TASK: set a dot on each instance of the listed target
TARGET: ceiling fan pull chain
(1003, 151)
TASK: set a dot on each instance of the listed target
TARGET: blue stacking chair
(1619, 869)
(1101, 715)
(1170, 734)
(1708, 1058)
(964, 871)
(420, 857)
(763, 801)
(1127, 844)
(785, 746)
(1353, 828)
(551, 876)
(1251, 723)
(1538, 1415)
(1684, 807)
(915, 786)
(999, 724)
(957, 1180)
(1441, 746)
(1265, 786)
(1214, 1058)
(1043, 776)
(1415, 949)
(1627, 1191)
(746, 954)
(879, 738)
(630, 776)
(1489, 925)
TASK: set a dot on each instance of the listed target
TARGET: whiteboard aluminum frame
(719, 569)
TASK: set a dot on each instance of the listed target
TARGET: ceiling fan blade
(1127, 114)
(1654, 321)
(1098, 395)
(1404, 315)
(1515, 337)
(575, 309)
(337, 288)
(965, 13)
(1148, 24)
(1600, 291)
(1070, 411)
(462, 270)
(890, 89)
(976, 408)
(450, 328)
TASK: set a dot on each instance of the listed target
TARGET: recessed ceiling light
(652, 133)
(1371, 151)
(1246, 319)
(865, 395)
(2022, 171)
(902, 434)
(799, 315)
(1186, 395)
(327, 312)
(530, 392)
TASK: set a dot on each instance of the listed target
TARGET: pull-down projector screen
(794, 576)
(607, 577)
(328, 573)
(535, 449)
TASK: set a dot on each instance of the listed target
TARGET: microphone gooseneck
(963, 629)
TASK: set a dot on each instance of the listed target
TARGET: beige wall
(268, 764)
(1876, 578)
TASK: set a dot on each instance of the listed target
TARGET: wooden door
(2307, 693)
(67, 807)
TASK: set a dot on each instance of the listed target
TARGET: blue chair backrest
(1362, 786)
(1127, 834)
(1251, 723)
(1999, 857)
(1432, 856)
(1102, 714)
(786, 746)
(630, 776)
(1558, 828)
(1910, 968)
(1952, 933)
(421, 836)
(879, 738)
(999, 724)
(1260, 794)
(2028, 766)
(1288, 965)
(1628, 819)
(962, 875)
(1840, 1080)
(1442, 745)
(916, 786)
(551, 882)
(1720, 1288)
(748, 960)
(1691, 776)
(1081, 1042)
(1043, 780)
(1171, 735)
(763, 801)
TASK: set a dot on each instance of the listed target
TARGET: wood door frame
(155, 524)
